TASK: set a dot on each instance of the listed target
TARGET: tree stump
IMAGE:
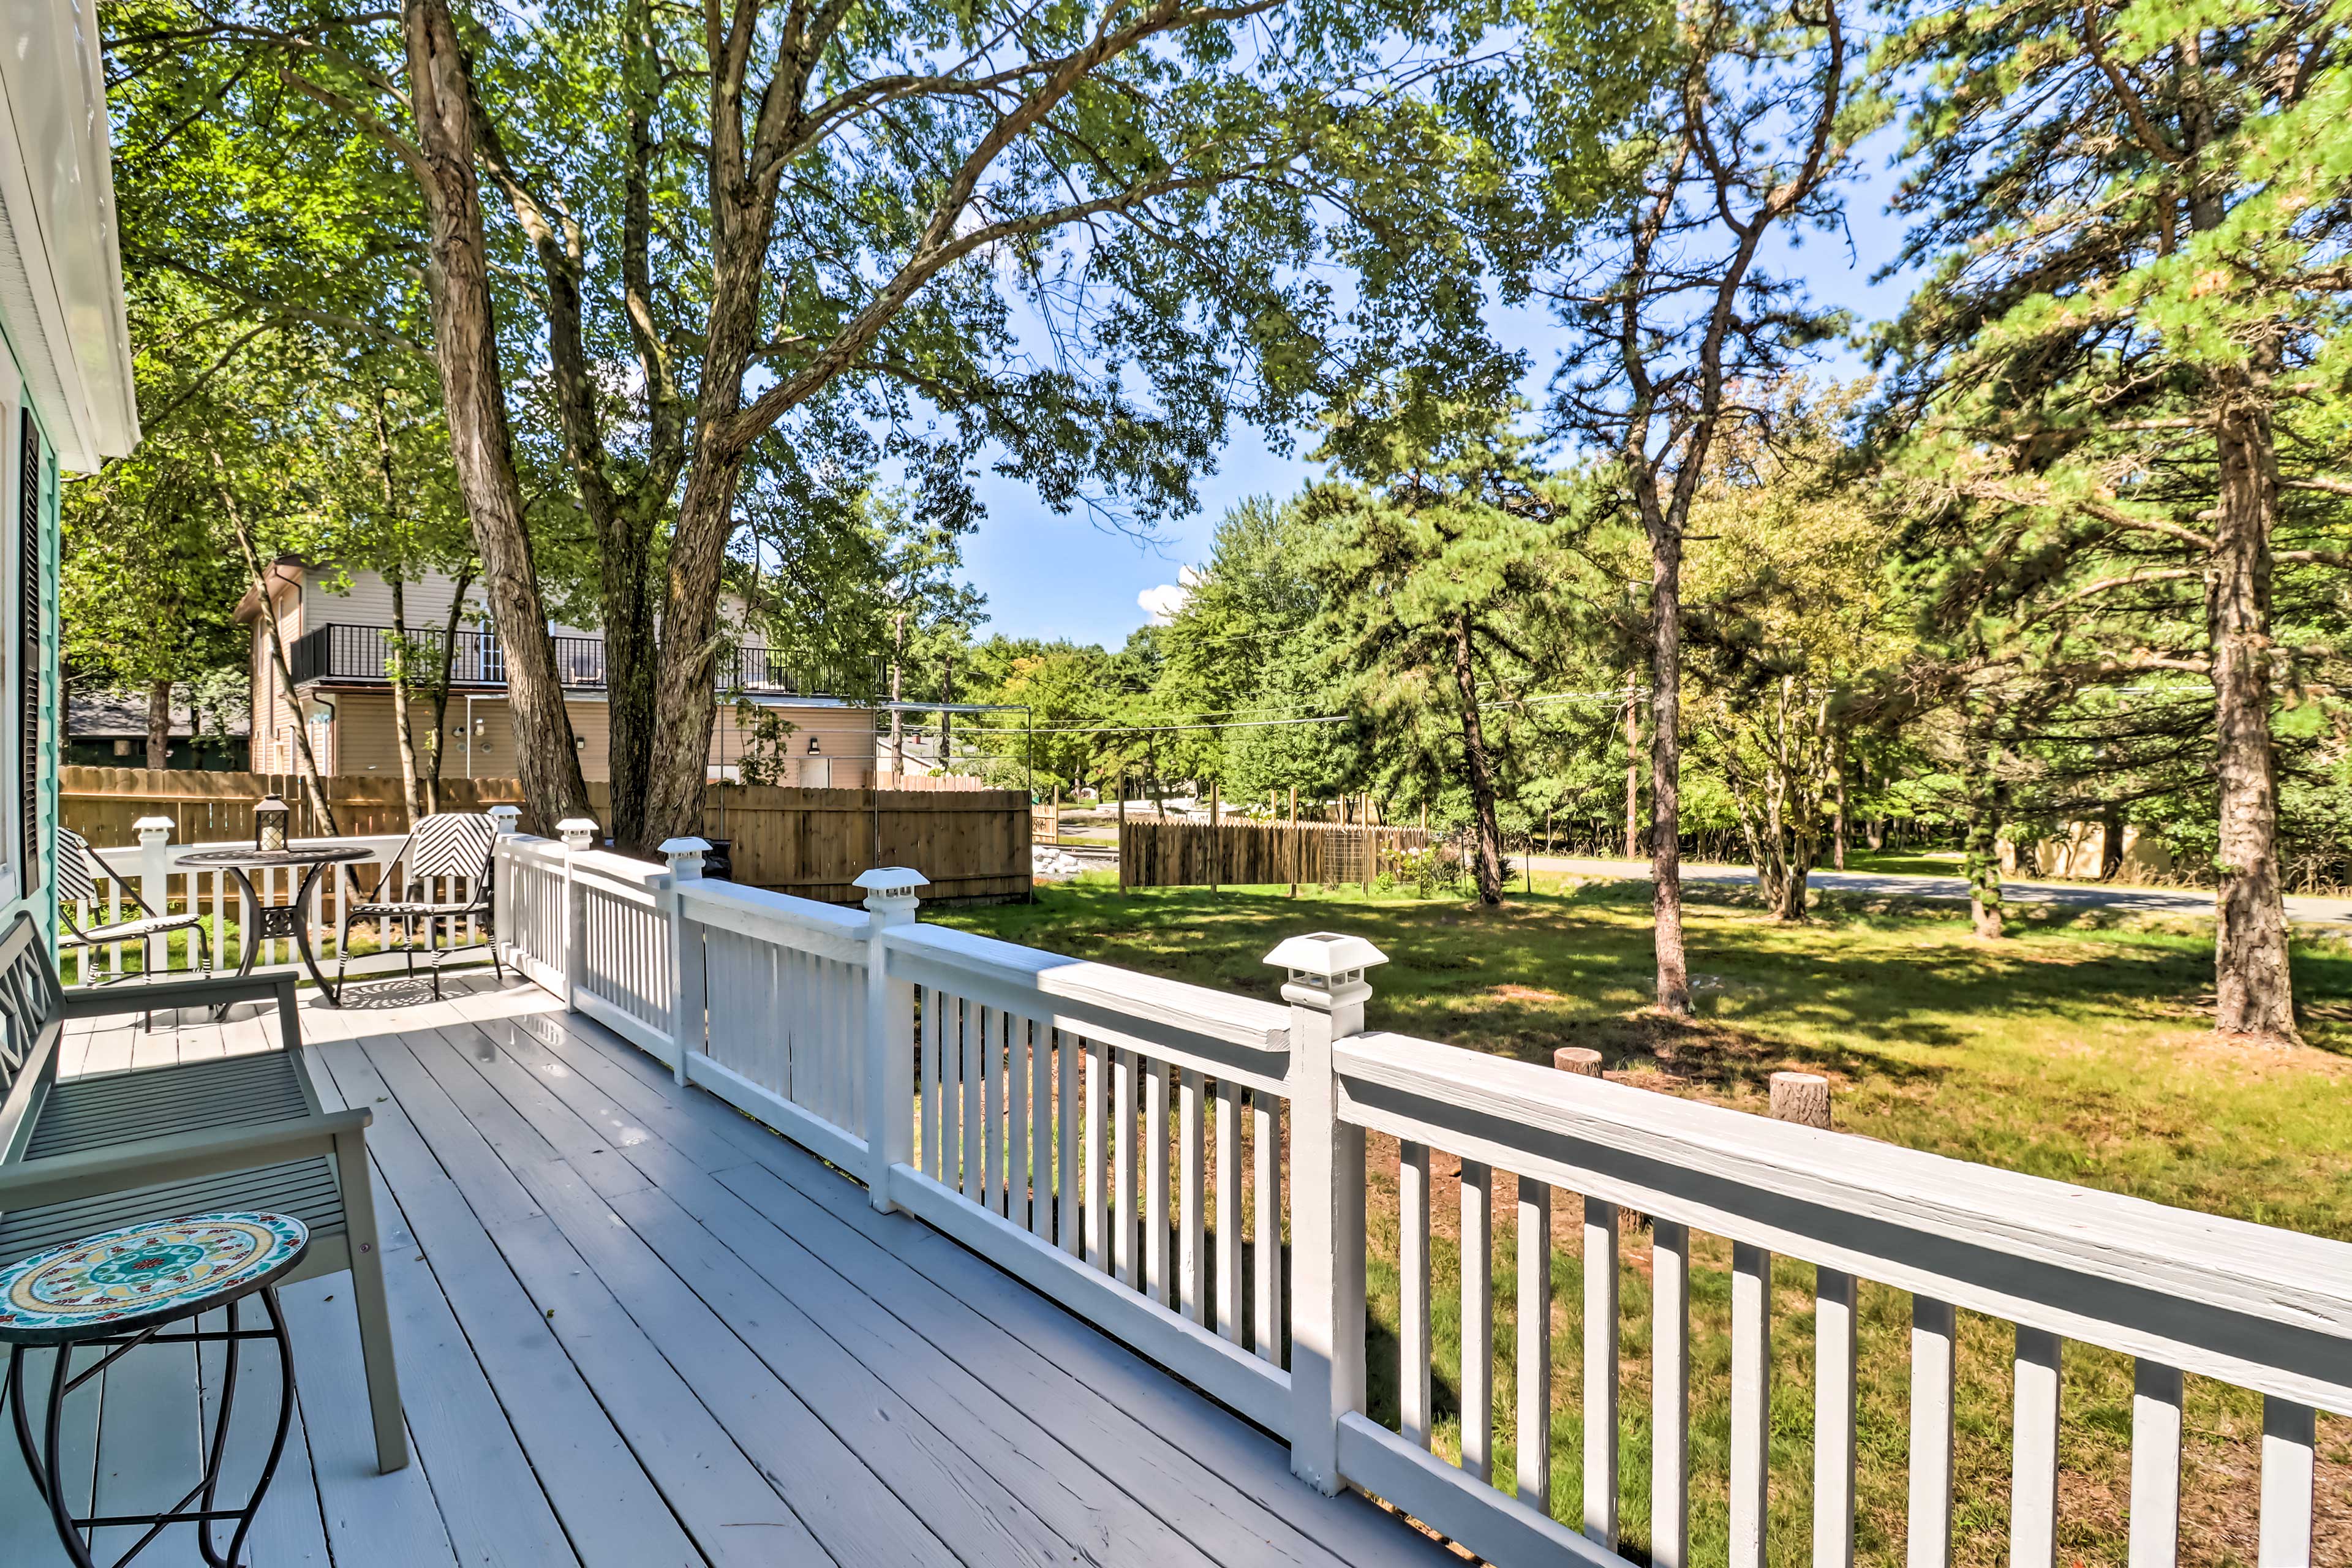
(1583, 1060)
(1803, 1098)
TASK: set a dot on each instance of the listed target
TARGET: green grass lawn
(2078, 1050)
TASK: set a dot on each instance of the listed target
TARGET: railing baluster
(1069, 1183)
(1933, 1366)
(1752, 1400)
(1414, 1410)
(1156, 1278)
(1533, 1438)
(1016, 1119)
(975, 1124)
(1835, 1342)
(1122, 1170)
(2034, 1453)
(2289, 1433)
(1041, 1178)
(1265, 1189)
(1100, 1146)
(991, 1099)
(1477, 1320)
(1669, 1394)
(1191, 1197)
(1229, 1211)
(1601, 1372)
(930, 1130)
(2156, 1466)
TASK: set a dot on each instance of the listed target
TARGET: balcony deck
(636, 1329)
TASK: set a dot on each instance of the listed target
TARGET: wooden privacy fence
(103, 803)
(1172, 854)
(971, 843)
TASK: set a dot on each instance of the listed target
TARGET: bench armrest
(151, 1162)
(84, 1002)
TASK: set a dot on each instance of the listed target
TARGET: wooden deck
(636, 1329)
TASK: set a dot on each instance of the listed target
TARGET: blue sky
(1052, 576)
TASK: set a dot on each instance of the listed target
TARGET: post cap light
(1325, 956)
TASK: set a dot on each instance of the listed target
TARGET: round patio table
(120, 1290)
(266, 922)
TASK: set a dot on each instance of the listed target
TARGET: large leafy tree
(2129, 366)
(1651, 250)
(1793, 614)
(1441, 566)
(657, 239)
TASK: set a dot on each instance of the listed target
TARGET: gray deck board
(636, 1330)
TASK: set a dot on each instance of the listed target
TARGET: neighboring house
(337, 628)
(109, 730)
(66, 398)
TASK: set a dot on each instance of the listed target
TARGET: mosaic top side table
(120, 1290)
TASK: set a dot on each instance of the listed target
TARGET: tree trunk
(1665, 767)
(2254, 988)
(1486, 830)
(307, 764)
(1987, 796)
(1837, 781)
(897, 727)
(159, 724)
(404, 737)
(2111, 843)
(441, 688)
(473, 396)
(1633, 771)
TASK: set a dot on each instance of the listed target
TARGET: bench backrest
(32, 1015)
(32, 1004)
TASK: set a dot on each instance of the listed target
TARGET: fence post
(890, 900)
(154, 884)
(578, 832)
(1327, 992)
(686, 975)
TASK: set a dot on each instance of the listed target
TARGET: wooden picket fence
(973, 844)
(1156, 853)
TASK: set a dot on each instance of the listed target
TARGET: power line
(1308, 719)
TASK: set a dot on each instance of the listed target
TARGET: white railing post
(578, 832)
(890, 900)
(1327, 992)
(685, 857)
(509, 820)
(155, 884)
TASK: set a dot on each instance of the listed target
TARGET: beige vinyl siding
(271, 715)
(363, 739)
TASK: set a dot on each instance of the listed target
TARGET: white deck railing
(1010, 1097)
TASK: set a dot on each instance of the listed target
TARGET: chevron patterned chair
(450, 844)
(76, 886)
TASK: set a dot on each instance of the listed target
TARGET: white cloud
(1162, 603)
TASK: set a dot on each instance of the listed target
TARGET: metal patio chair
(447, 843)
(76, 885)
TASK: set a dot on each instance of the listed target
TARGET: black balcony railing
(371, 655)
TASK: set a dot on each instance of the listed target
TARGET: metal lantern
(269, 819)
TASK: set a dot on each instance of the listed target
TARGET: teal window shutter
(28, 651)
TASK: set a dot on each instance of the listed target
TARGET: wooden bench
(232, 1133)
